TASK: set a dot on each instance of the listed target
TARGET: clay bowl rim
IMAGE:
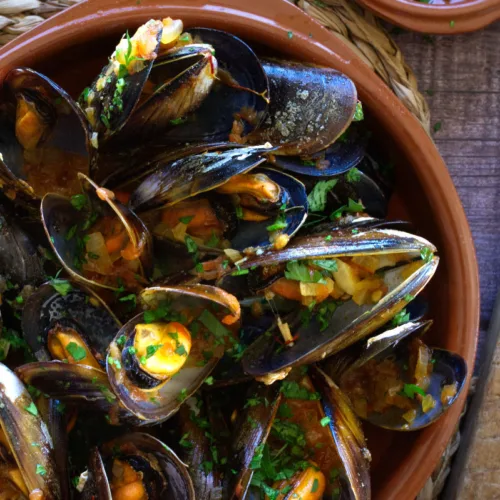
(297, 33)
(470, 15)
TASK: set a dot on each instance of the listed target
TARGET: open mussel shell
(250, 234)
(162, 473)
(193, 175)
(242, 89)
(310, 108)
(183, 78)
(251, 432)
(347, 434)
(66, 228)
(336, 159)
(105, 116)
(81, 385)
(349, 322)
(152, 397)
(394, 346)
(20, 261)
(45, 139)
(80, 312)
(28, 437)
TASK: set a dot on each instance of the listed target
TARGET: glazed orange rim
(291, 31)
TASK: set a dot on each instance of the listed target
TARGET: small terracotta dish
(72, 47)
(444, 17)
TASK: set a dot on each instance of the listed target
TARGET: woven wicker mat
(354, 26)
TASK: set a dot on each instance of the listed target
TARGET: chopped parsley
(177, 121)
(151, 350)
(182, 395)
(180, 350)
(184, 442)
(240, 272)
(352, 207)
(329, 265)
(212, 324)
(213, 241)
(132, 298)
(79, 201)
(437, 126)
(71, 232)
(292, 390)
(192, 247)
(301, 272)
(115, 362)
(61, 286)
(353, 175)
(409, 390)
(209, 380)
(325, 421)
(77, 352)
(426, 254)
(40, 470)
(315, 486)
(290, 34)
(31, 408)
(317, 197)
(358, 114)
(187, 219)
(408, 297)
(400, 318)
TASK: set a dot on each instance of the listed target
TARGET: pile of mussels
(232, 299)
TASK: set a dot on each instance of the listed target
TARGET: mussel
(299, 438)
(70, 323)
(396, 381)
(162, 356)
(136, 465)
(27, 463)
(98, 240)
(45, 141)
(339, 277)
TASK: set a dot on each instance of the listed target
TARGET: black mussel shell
(310, 107)
(81, 385)
(447, 369)
(251, 234)
(20, 261)
(193, 175)
(79, 308)
(251, 431)
(67, 226)
(23, 428)
(133, 388)
(64, 129)
(243, 89)
(105, 116)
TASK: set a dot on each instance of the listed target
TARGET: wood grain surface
(461, 76)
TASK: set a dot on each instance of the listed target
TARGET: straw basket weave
(355, 26)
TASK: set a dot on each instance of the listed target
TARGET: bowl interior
(401, 461)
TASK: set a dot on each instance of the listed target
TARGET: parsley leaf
(61, 286)
(353, 175)
(410, 390)
(329, 265)
(301, 272)
(358, 114)
(77, 352)
(79, 201)
(31, 408)
(426, 254)
(317, 197)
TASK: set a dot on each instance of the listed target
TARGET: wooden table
(461, 76)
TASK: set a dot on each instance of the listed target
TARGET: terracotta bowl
(446, 17)
(73, 46)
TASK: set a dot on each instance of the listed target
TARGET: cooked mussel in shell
(136, 466)
(99, 241)
(75, 326)
(397, 381)
(162, 356)
(27, 463)
(44, 139)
